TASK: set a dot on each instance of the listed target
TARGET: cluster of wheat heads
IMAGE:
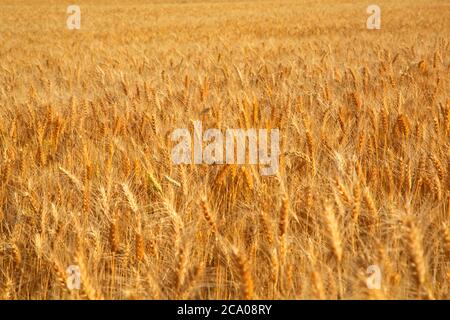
(86, 176)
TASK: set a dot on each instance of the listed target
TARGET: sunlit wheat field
(88, 183)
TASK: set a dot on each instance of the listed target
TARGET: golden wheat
(86, 170)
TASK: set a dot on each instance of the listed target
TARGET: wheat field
(87, 180)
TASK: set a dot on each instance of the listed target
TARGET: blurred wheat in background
(86, 176)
